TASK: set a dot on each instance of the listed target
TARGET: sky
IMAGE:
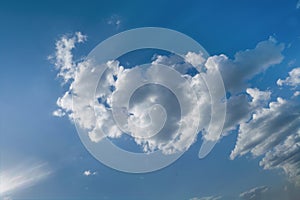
(50, 149)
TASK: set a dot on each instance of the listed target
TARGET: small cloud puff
(90, 173)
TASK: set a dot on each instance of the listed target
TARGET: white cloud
(273, 133)
(89, 173)
(268, 127)
(207, 198)
(246, 64)
(264, 128)
(292, 80)
(240, 108)
(196, 59)
(238, 71)
(145, 107)
(83, 74)
(259, 98)
(254, 194)
(285, 156)
(80, 37)
(298, 5)
(58, 113)
(25, 175)
(64, 57)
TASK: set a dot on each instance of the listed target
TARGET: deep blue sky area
(29, 90)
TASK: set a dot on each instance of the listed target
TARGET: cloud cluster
(238, 72)
(149, 109)
(267, 129)
(246, 64)
(273, 132)
(292, 80)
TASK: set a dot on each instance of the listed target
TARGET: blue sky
(45, 151)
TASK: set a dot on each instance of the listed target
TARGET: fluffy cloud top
(96, 115)
(292, 80)
(246, 64)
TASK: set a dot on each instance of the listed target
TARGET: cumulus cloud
(254, 194)
(240, 107)
(246, 64)
(63, 57)
(196, 59)
(285, 156)
(21, 177)
(292, 80)
(235, 72)
(267, 129)
(238, 72)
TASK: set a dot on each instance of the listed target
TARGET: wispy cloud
(274, 132)
(23, 176)
(298, 5)
(254, 194)
(207, 198)
(114, 20)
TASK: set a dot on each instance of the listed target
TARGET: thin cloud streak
(22, 176)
